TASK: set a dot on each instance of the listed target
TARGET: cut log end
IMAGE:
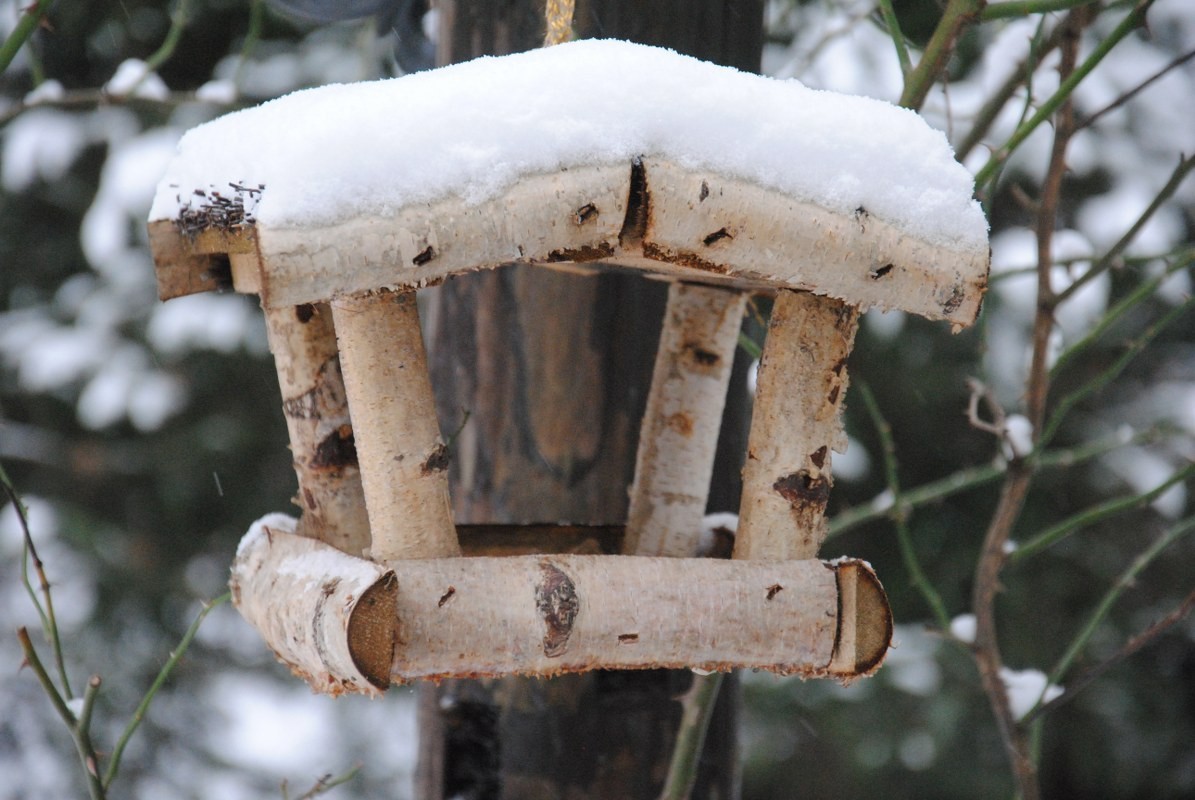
(329, 617)
(371, 633)
(864, 622)
(199, 261)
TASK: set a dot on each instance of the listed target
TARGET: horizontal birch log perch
(346, 624)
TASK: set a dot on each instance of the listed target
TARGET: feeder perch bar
(722, 184)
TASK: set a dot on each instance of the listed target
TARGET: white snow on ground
(474, 129)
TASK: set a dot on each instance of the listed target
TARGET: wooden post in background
(554, 371)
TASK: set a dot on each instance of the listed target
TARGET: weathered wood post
(582, 453)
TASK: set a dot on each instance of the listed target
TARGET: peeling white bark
(574, 215)
(323, 450)
(548, 614)
(795, 423)
(404, 463)
(328, 616)
(332, 618)
(679, 433)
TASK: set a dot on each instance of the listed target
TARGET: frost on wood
(548, 614)
(326, 615)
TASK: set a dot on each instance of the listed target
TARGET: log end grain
(371, 633)
(864, 622)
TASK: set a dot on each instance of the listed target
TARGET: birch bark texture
(679, 432)
(796, 422)
(403, 460)
(326, 615)
(347, 624)
(323, 449)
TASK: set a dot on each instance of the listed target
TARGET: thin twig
(956, 18)
(1023, 8)
(998, 426)
(1184, 167)
(34, 662)
(326, 782)
(1113, 315)
(1127, 579)
(163, 674)
(1136, 90)
(257, 15)
(986, 648)
(698, 708)
(178, 21)
(898, 38)
(1133, 20)
(1181, 254)
(974, 477)
(1097, 513)
(900, 512)
(1130, 647)
(45, 613)
(82, 730)
(1106, 376)
(986, 116)
(1016, 486)
(31, 17)
(87, 756)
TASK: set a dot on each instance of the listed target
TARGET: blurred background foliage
(146, 436)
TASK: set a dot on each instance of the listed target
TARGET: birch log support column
(404, 463)
(796, 422)
(322, 445)
(679, 433)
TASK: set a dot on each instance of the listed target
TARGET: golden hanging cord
(559, 16)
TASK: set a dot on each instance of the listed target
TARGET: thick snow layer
(474, 129)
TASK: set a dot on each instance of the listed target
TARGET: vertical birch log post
(679, 432)
(796, 421)
(404, 463)
(322, 446)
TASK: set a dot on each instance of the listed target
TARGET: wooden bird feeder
(369, 586)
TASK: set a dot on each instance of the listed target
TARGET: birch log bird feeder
(335, 205)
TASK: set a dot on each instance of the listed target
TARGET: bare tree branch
(1130, 647)
(992, 555)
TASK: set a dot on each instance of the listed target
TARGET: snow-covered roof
(473, 129)
(473, 132)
